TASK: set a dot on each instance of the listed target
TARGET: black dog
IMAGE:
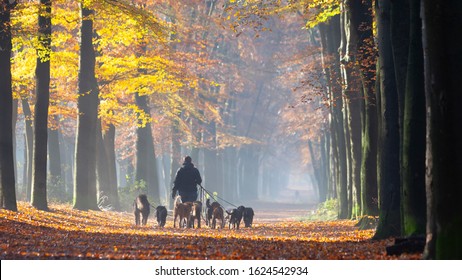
(235, 217)
(161, 215)
(141, 206)
(248, 216)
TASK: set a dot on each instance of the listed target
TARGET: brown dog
(210, 208)
(181, 210)
(141, 209)
(218, 215)
(195, 213)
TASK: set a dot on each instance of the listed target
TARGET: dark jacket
(187, 178)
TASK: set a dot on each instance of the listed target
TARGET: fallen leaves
(64, 233)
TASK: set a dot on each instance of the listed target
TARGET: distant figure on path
(186, 180)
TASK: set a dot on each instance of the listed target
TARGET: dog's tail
(177, 201)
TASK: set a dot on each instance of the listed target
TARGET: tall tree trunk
(29, 139)
(389, 173)
(146, 165)
(361, 51)
(413, 187)
(399, 15)
(442, 23)
(211, 179)
(42, 74)
(56, 180)
(102, 169)
(7, 179)
(353, 91)
(109, 144)
(85, 194)
(323, 185)
(333, 43)
(175, 160)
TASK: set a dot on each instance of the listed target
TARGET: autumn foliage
(63, 233)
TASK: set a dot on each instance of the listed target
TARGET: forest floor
(278, 232)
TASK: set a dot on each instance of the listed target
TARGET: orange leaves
(64, 233)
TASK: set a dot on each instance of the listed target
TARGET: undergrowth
(326, 211)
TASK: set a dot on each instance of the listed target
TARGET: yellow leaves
(320, 11)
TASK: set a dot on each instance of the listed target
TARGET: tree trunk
(399, 15)
(146, 165)
(109, 144)
(7, 179)
(413, 187)
(42, 74)
(442, 23)
(211, 178)
(389, 173)
(85, 194)
(28, 125)
(56, 177)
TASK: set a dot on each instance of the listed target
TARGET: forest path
(273, 212)
(278, 233)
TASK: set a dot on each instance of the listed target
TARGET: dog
(141, 207)
(161, 215)
(235, 217)
(248, 216)
(210, 208)
(181, 211)
(196, 209)
(218, 214)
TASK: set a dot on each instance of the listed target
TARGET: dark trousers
(188, 196)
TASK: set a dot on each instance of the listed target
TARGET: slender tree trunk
(7, 179)
(85, 194)
(146, 165)
(29, 139)
(211, 178)
(442, 23)
(323, 186)
(57, 179)
(109, 145)
(389, 182)
(176, 159)
(102, 168)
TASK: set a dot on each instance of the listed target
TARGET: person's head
(187, 159)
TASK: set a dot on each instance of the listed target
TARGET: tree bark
(7, 179)
(56, 180)
(85, 194)
(42, 74)
(146, 165)
(29, 140)
(413, 160)
(389, 173)
(442, 23)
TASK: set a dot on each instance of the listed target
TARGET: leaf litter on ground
(65, 233)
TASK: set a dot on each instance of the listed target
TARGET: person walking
(186, 180)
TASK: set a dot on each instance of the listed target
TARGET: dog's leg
(137, 217)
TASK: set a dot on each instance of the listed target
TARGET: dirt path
(272, 212)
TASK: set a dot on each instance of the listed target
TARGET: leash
(213, 196)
